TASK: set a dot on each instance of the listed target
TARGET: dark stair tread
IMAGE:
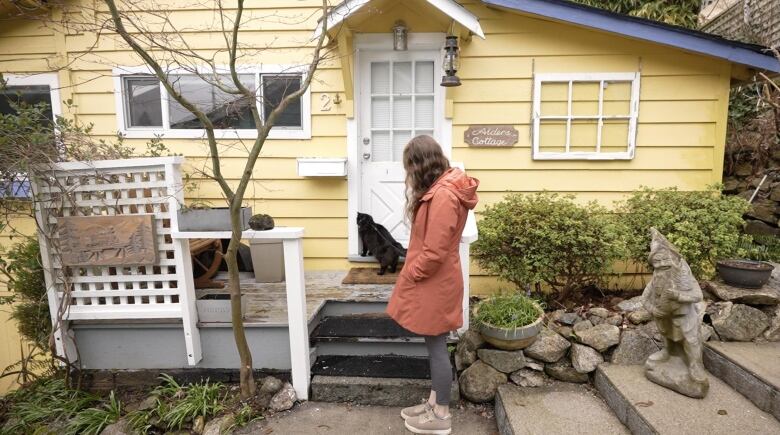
(381, 366)
(371, 325)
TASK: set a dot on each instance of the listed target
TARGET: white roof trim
(449, 7)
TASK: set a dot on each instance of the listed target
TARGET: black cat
(377, 241)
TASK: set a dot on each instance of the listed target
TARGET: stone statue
(674, 298)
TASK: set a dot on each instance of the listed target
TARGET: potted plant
(267, 254)
(215, 307)
(745, 273)
(509, 321)
(205, 218)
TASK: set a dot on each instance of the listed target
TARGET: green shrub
(546, 238)
(92, 421)
(704, 225)
(22, 272)
(187, 402)
(508, 310)
(41, 403)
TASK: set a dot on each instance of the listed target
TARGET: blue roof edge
(660, 33)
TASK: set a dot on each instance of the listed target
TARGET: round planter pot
(511, 338)
(745, 273)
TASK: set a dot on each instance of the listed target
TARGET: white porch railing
(292, 240)
(469, 236)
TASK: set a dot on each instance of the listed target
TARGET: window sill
(583, 156)
(219, 134)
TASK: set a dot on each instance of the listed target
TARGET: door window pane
(423, 112)
(225, 110)
(380, 112)
(400, 139)
(381, 151)
(402, 112)
(402, 78)
(275, 88)
(143, 102)
(423, 77)
(26, 96)
(380, 78)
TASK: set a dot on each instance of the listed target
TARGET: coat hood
(457, 182)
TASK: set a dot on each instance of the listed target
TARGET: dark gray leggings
(441, 369)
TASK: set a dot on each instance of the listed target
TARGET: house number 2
(325, 103)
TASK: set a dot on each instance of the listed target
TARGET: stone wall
(763, 217)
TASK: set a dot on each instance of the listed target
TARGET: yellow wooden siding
(680, 135)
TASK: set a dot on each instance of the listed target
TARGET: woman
(428, 294)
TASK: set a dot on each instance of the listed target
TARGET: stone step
(374, 366)
(375, 325)
(647, 408)
(750, 368)
(373, 391)
(558, 408)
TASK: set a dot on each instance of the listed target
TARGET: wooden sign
(490, 136)
(124, 240)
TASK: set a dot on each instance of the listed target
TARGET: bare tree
(163, 49)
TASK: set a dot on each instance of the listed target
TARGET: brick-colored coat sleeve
(443, 214)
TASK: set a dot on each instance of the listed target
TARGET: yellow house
(553, 95)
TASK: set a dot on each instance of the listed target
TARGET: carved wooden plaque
(107, 240)
(490, 136)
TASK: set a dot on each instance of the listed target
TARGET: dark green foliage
(683, 13)
(181, 404)
(508, 310)
(43, 403)
(92, 421)
(547, 239)
(23, 272)
(705, 226)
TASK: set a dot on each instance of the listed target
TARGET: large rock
(599, 312)
(472, 340)
(284, 399)
(548, 347)
(564, 371)
(219, 425)
(533, 364)
(639, 316)
(600, 337)
(634, 348)
(480, 382)
(760, 228)
(737, 322)
(121, 427)
(632, 304)
(764, 210)
(766, 295)
(528, 378)
(569, 318)
(463, 356)
(271, 385)
(501, 360)
(585, 359)
(581, 326)
(773, 332)
(614, 319)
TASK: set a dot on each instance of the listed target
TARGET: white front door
(399, 99)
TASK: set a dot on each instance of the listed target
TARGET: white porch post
(296, 316)
(468, 237)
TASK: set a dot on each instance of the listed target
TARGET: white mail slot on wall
(322, 167)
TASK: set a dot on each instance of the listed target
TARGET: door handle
(366, 156)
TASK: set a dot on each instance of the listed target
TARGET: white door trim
(366, 42)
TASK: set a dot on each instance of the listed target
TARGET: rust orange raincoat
(427, 297)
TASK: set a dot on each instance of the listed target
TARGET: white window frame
(278, 132)
(49, 79)
(570, 78)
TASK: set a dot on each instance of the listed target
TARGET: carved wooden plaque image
(107, 240)
(490, 135)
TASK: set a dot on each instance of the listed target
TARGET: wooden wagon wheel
(199, 246)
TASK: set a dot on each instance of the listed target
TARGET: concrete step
(375, 366)
(559, 408)
(373, 391)
(374, 325)
(750, 368)
(647, 408)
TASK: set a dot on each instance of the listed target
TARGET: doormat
(367, 275)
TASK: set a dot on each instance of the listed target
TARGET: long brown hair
(424, 162)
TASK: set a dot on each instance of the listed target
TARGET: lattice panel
(100, 189)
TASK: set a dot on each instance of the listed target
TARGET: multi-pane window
(585, 116)
(27, 91)
(402, 96)
(147, 107)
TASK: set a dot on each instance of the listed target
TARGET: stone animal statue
(377, 241)
(674, 299)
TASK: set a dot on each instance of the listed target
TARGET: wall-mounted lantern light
(451, 62)
(399, 36)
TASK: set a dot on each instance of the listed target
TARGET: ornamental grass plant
(508, 310)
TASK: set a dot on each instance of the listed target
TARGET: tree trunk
(246, 376)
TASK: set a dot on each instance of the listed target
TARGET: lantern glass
(399, 36)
